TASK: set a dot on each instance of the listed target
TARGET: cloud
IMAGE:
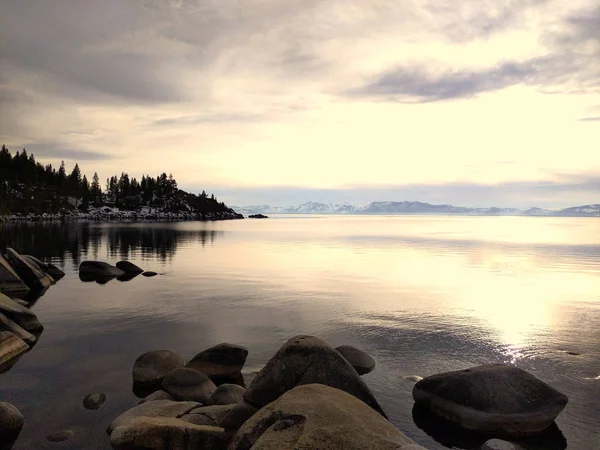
(57, 151)
(590, 119)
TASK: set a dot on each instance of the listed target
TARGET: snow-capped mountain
(414, 208)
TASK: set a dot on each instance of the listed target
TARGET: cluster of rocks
(21, 273)
(311, 396)
(114, 214)
(102, 272)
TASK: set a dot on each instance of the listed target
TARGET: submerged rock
(223, 361)
(189, 385)
(362, 362)
(160, 433)
(94, 401)
(28, 272)
(11, 422)
(60, 436)
(316, 416)
(227, 394)
(99, 268)
(10, 282)
(23, 316)
(150, 368)
(495, 398)
(128, 267)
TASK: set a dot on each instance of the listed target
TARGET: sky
(473, 102)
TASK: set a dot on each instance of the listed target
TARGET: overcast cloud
(466, 102)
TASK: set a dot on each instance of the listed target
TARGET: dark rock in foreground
(189, 385)
(99, 268)
(362, 362)
(48, 268)
(497, 399)
(207, 415)
(23, 316)
(29, 273)
(315, 416)
(128, 267)
(227, 394)
(222, 361)
(11, 349)
(94, 401)
(11, 422)
(150, 368)
(10, 282)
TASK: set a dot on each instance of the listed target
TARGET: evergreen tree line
(27, 186)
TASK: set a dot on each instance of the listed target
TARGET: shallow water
(422, 295)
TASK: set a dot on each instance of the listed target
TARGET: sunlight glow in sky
(474, 103)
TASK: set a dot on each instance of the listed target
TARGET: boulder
(227, 394)
(149, 274)
(158, 408)
(150, 368)
(11, 422)
(10, 281)
(319, 417)
(157, 395)
(189, 385)
(99, 269)
(159, 433)
(237, 416)
(94, 401)
(128, 267)
(28, 272)
(23, 316)
(48, 268)
(303, 360)
(11, 348)
(498, 399)
(8, 325)
(207, 415)
(362, 362)
(223, 361)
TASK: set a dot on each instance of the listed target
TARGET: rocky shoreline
(309, 395)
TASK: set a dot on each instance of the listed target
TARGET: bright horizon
(472, 103)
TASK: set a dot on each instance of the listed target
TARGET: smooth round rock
(60, 436)
(227, 394)
(150, 368)
(495, 398)
(11, 421)
(157, 395)
(362, 362)
(188, 385)
(94, 401)
(222, 361)
(128, 267)
(498, 444)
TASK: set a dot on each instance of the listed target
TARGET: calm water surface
(422, 295)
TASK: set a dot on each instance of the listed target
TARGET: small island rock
(258, 216)
(222, 361)
(189, 385)
(150, 368)
(494, 398)
(149, 274)
(316, 416)
(94, 401)
(227, 394)
(362, 362)
(128, 267)
(99, 268)
(11, 421)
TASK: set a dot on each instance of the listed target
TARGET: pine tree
(61, 179)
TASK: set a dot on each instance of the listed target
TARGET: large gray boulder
(10, 282)
(361, 362)
(158, 408)
(160, 433)
(128, 267)
(319, 417)
(48, 268)
(11, 348)
(11, 422)
(495, 398)
(207, 415)
(23, 316)
(227, 394)
(222, 361)
(150, 368)
(189, 385)
(8, 325)
(28, 272)
(99, 268)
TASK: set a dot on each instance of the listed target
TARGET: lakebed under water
(421, 294)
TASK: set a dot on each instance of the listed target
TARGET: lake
(421, 294)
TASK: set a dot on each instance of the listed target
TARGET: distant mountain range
(415, 208)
